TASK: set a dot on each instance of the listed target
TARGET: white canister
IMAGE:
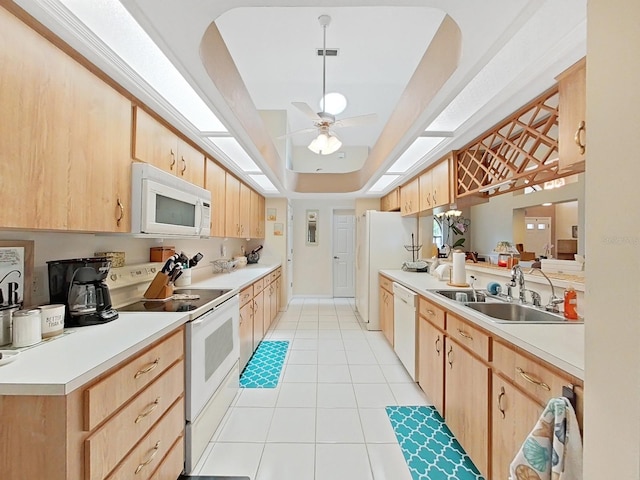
(27, 329)
(184, 280)
(52, 320)
(5, 325)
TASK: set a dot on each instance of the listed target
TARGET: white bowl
(242, 261)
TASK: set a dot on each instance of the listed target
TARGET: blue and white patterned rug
(264, 368)
(429, 448)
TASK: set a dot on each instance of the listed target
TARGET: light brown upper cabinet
(572, 87)
(216, 183)
(391, 201)
(440, 183)
(157, 145)
(245, 211)
(232, 209)
(257, 215)
(64, 139)
(425, 182)
(409, 198)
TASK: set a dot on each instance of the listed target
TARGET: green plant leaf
(459, 243)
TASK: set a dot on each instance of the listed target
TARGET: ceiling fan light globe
(333, 145)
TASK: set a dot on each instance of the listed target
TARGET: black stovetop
(176, 305)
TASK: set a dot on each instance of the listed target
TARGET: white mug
(52, 320)
(27, 329)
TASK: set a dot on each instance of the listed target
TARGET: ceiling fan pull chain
(325, 20)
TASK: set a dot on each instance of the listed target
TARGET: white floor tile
(357, 345)
(336, 395)
(367, 374)
(361, 357)
(350, 326)
(304, 344)
(286, 325)
(329, 325)
(376, 426)
(335, 357)
(281, 334)
(297, 395)
(396, 374)
(353, 334)
(387, 462)
(408, 394)
(338, 425)
(258, 397)
(300, 373)
(324, 317)
(373, 395)
(203, 459)
(247, 424)
(308, 325)
(308, 318)
(287, 461)
(342, 462)
(334, 374)
(303, 357)
(293, 425)
(329, 334)
(226, 459)
(302, 333)
(330, 344)
(387, 357)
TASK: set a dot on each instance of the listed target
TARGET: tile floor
(326, 419)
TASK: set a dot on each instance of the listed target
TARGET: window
(437, 233)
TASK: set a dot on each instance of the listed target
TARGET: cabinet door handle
(437, 347)
(578, 137)
(184, 168)
(173, 159)
(530, 379)
(241, 319)
(121, 208)
(148, 368)
(435, 191)
(150, 459)
(449, 359)
(431, 312)
(502, 393)
(148, 411)
(462, 333)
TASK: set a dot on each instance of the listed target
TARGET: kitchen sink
(505, 312)
(451, 294)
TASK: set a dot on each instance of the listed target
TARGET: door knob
(336, 257)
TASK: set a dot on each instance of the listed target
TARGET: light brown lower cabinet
(431, 363)
(246, 333)
(513, 415)
(385, 299)
(258, 318)
(467, 402)
(93, 433)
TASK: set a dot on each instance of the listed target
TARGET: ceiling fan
(326, 142)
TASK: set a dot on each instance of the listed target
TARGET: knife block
(159, 287)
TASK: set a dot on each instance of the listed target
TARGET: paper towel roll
(458, 275)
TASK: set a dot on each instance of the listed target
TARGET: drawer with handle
(386, 283)
(471, 337)
(111, 442)
(258, 285)
(103, 398)
(434, 314)
(246, 294)
(145, 458)
(172, 464)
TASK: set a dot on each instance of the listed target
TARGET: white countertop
(59, 366)
(561, 345)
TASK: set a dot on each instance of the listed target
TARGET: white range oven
(212, 376)
(212, 353)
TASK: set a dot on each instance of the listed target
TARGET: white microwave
(163, 204)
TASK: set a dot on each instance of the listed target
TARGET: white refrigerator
(381, 237)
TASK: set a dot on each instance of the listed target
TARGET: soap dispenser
(570, 304)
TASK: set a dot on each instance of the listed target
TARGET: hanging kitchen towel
(553, 449)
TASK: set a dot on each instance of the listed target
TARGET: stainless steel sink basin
(451, 294)
(514, 312)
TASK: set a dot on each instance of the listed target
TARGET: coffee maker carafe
(80, 284)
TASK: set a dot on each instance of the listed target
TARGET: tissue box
(552, 265)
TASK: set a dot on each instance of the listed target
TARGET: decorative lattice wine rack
(520, 151)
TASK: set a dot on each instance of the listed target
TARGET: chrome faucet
(518, 275)
(472, 280)
(552, 305)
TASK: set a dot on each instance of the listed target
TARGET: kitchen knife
(195, 259)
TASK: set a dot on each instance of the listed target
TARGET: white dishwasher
(404, 327)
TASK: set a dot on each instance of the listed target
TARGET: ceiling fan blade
(304, 130)
(356, 121)
(307, 110)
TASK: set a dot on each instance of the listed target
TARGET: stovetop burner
(173, 305)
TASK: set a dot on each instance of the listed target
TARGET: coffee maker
(80, 284)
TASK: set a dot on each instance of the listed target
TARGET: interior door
(537, 234)
(344, 255)
(289, 276)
